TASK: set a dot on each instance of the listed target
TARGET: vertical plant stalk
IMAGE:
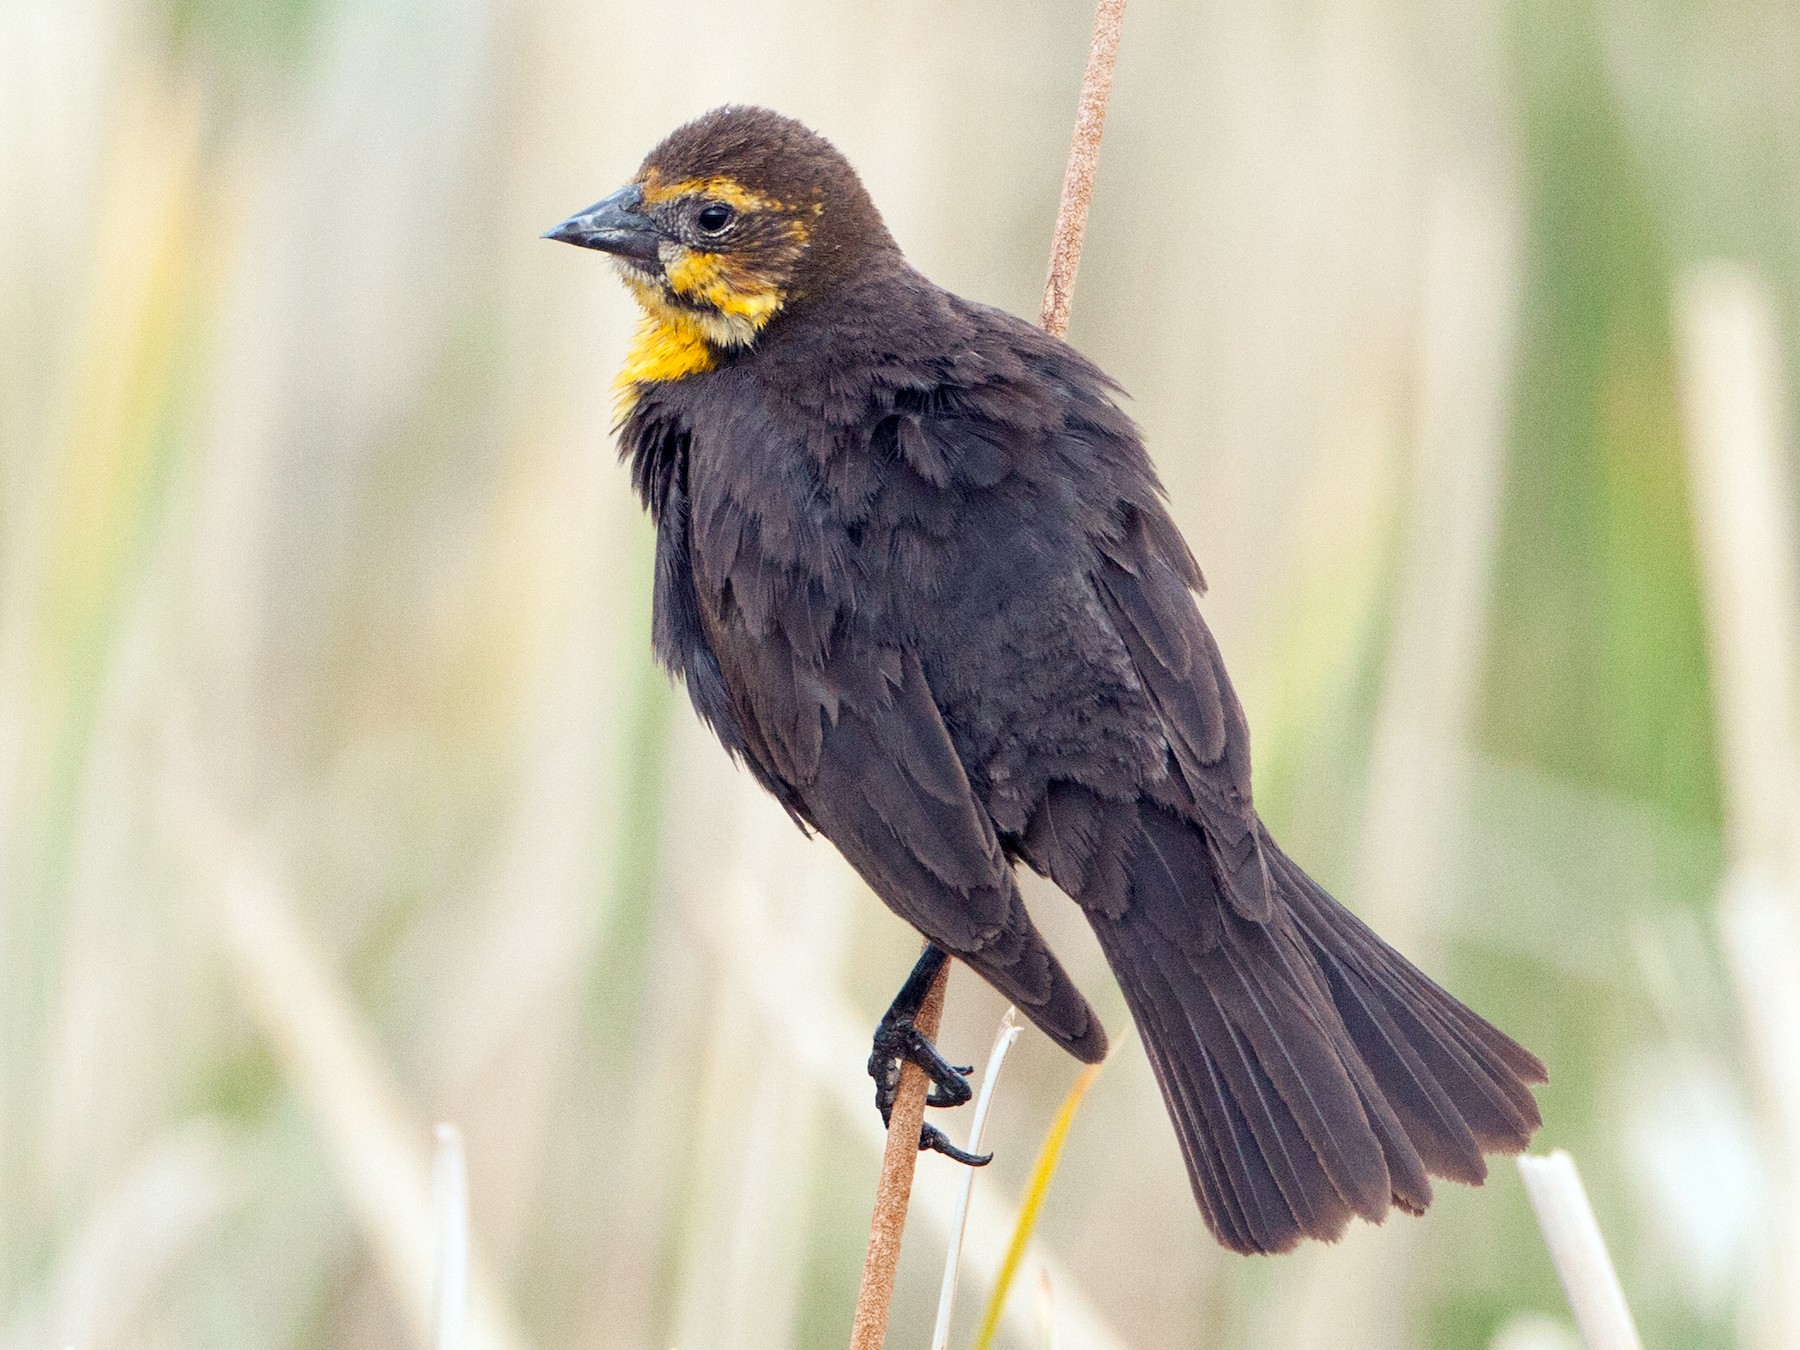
(1078, 177)
(894, 1189)
(1739, 441)
(1416, 807)
(1582, 1262)
(1739, 431)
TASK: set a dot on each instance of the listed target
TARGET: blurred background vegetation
(338, 794)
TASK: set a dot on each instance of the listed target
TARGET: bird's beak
(614, 225)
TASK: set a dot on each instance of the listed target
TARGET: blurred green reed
(323, 602)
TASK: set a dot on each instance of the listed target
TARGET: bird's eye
(714, 217)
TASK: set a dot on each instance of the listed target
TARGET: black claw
(898, 1041)
(946, 1094)
(931, 1137)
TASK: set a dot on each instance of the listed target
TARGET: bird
(920, 577)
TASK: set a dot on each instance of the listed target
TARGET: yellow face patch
(723, 283)
(708, 300)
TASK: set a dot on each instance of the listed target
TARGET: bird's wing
(894, 797)
(859, 740)
(1147, 588)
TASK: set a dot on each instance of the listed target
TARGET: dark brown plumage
(916, 571)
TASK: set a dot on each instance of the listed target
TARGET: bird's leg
(897, 1041)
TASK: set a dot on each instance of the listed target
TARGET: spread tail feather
(1313, 1073)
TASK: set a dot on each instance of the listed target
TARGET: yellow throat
(674, 340)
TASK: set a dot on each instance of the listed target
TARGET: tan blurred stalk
(111, 1274)
(86, 1035)
(75, 508)
(1468, 296)
(1739, 443)
(1740, 448)
(336, 1068)
(1358, 1293)
(509, 1016)
(1084, 163)
(757, 1112)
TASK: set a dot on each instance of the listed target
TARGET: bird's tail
(1312, 1072)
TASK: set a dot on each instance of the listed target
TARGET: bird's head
(731, 220)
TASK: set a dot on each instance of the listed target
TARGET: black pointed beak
(615, 225)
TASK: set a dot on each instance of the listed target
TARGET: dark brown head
(730, 220)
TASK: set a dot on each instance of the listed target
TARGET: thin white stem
(450, 1199)
(1003, 1040)
(1582, 1262)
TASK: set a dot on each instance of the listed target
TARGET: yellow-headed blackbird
(917, 573)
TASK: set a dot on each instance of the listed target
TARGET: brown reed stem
(1078, 177)
(893, 1192)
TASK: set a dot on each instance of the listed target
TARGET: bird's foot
(898, 1041)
